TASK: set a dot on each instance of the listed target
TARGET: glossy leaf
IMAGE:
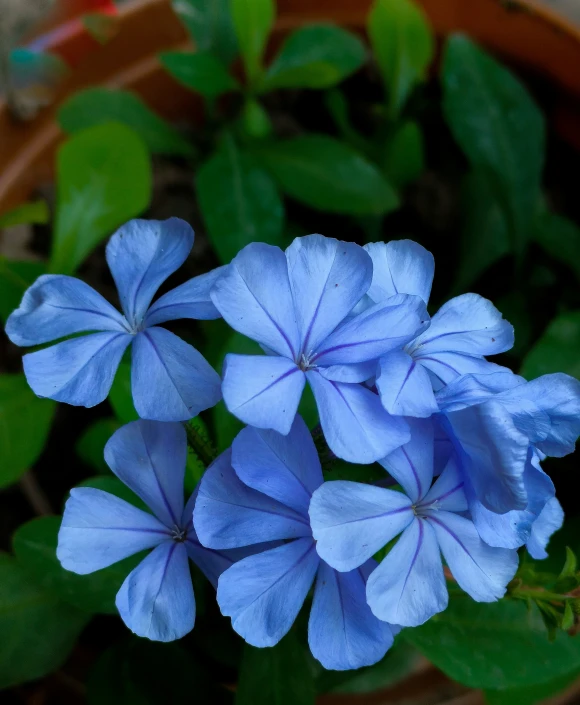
(253, 20)
(316, 56)
(90, 446)
(36, 212)
(121, 397)
(15, 278)
(405, 155)
(95, 106)
(24, 426)
(104, 179)
(328, 175)
(532, 694)
(560, 238)
(201, 72)
(557, 349)
(239, 202)
(210, 24)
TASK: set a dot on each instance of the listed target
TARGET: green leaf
(200, 72)
(24, 426)
(497, 645)
(532, 694)
(341, 470)
(239, 202)
(328, 175)
(91, 445)
(557, 349)
(499, 127)
(36, 212)
(255, 121)
(34, 545)
(280, 674)
(95, 106)
(403, 46)
(15, 278)
(121, 397)
(253, 21)
(316, 56)
(570, 565)
(560, 238)
(38, 631)
(104, 179)
(405, 155)
(210, 24)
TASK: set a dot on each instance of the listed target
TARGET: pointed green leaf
(253, 21)
(557, 349)
(210, 24)
(202, 72)
(26, 214)
(560, 238)
(405, 155)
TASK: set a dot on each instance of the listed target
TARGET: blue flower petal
(449, 491)
(448, 366)
(190, 300)
(404, 386)
(356, 373)
(400, 267)
(78, 371)
(141, 255)
(472, 389)
(343, 633)
(351, 521)
(327, 277)
(264, 593)
(150, 457)
(56, 306)
(99, 529)
(408, 587)
(262, 390)
(170, 379)
(254, 297)
(550, 520)
(356, 426)
(285, 468)
(156, 600)
(228, 514)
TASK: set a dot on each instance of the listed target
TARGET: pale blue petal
(190, 300)
(471, 389)
(170, 379)
(448, 492)
(264, 593)
(448, 366)
(412, 464)
(351, 521)
(405, 386)
(286, 468)
(56, 306)
(150, 457)
(380, 329)
(550, 520)
(262, 390)
(212, 563)
(343, 633)
(466, 324)
(400, 267)
(356, 426)
(327, 278)
(141, 255)
(482, 571)
(254, 297)
(78, 371)
(156, 600)
(228, 514)
(99, 529)
(408, 587)
(359, 372)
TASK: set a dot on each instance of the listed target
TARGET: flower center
(178, 534)
(305, 363)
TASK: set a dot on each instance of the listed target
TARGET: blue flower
(98, 529)
(171, 380)
(297, 305)
(352, 521)
(265, 496)
(459, 335)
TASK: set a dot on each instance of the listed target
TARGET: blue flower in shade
(503, 426)
(352, 521)
(459, 335)
(98, 529)
(265, 497)
(171, 380)
(297, 305)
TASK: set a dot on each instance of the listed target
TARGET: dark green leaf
(532, 694)
(24, 426)
(202, 72)
(497, 645)
(94, 106)
(317, 56)
(253, 20)
(239, 202)
(560, 238)
(341, 470)
(557, 349)
(210, 24)
(104, 179)
(38, 631)
(338, 108)
(278, 675)
(26, 214)
(34, 545)
(328, 175)
(498, 126)
(121, 397)
(255, 120)
(403, 46)
(570, 565)
(405, 155)
(91, 445)
(195, 467)
(15, 278)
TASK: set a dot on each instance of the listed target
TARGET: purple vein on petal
(444, 495)
(415, 474)
(272, 384)
(159, 487)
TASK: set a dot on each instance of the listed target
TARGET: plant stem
(35, 495)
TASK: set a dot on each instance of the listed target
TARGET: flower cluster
(461, 439)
